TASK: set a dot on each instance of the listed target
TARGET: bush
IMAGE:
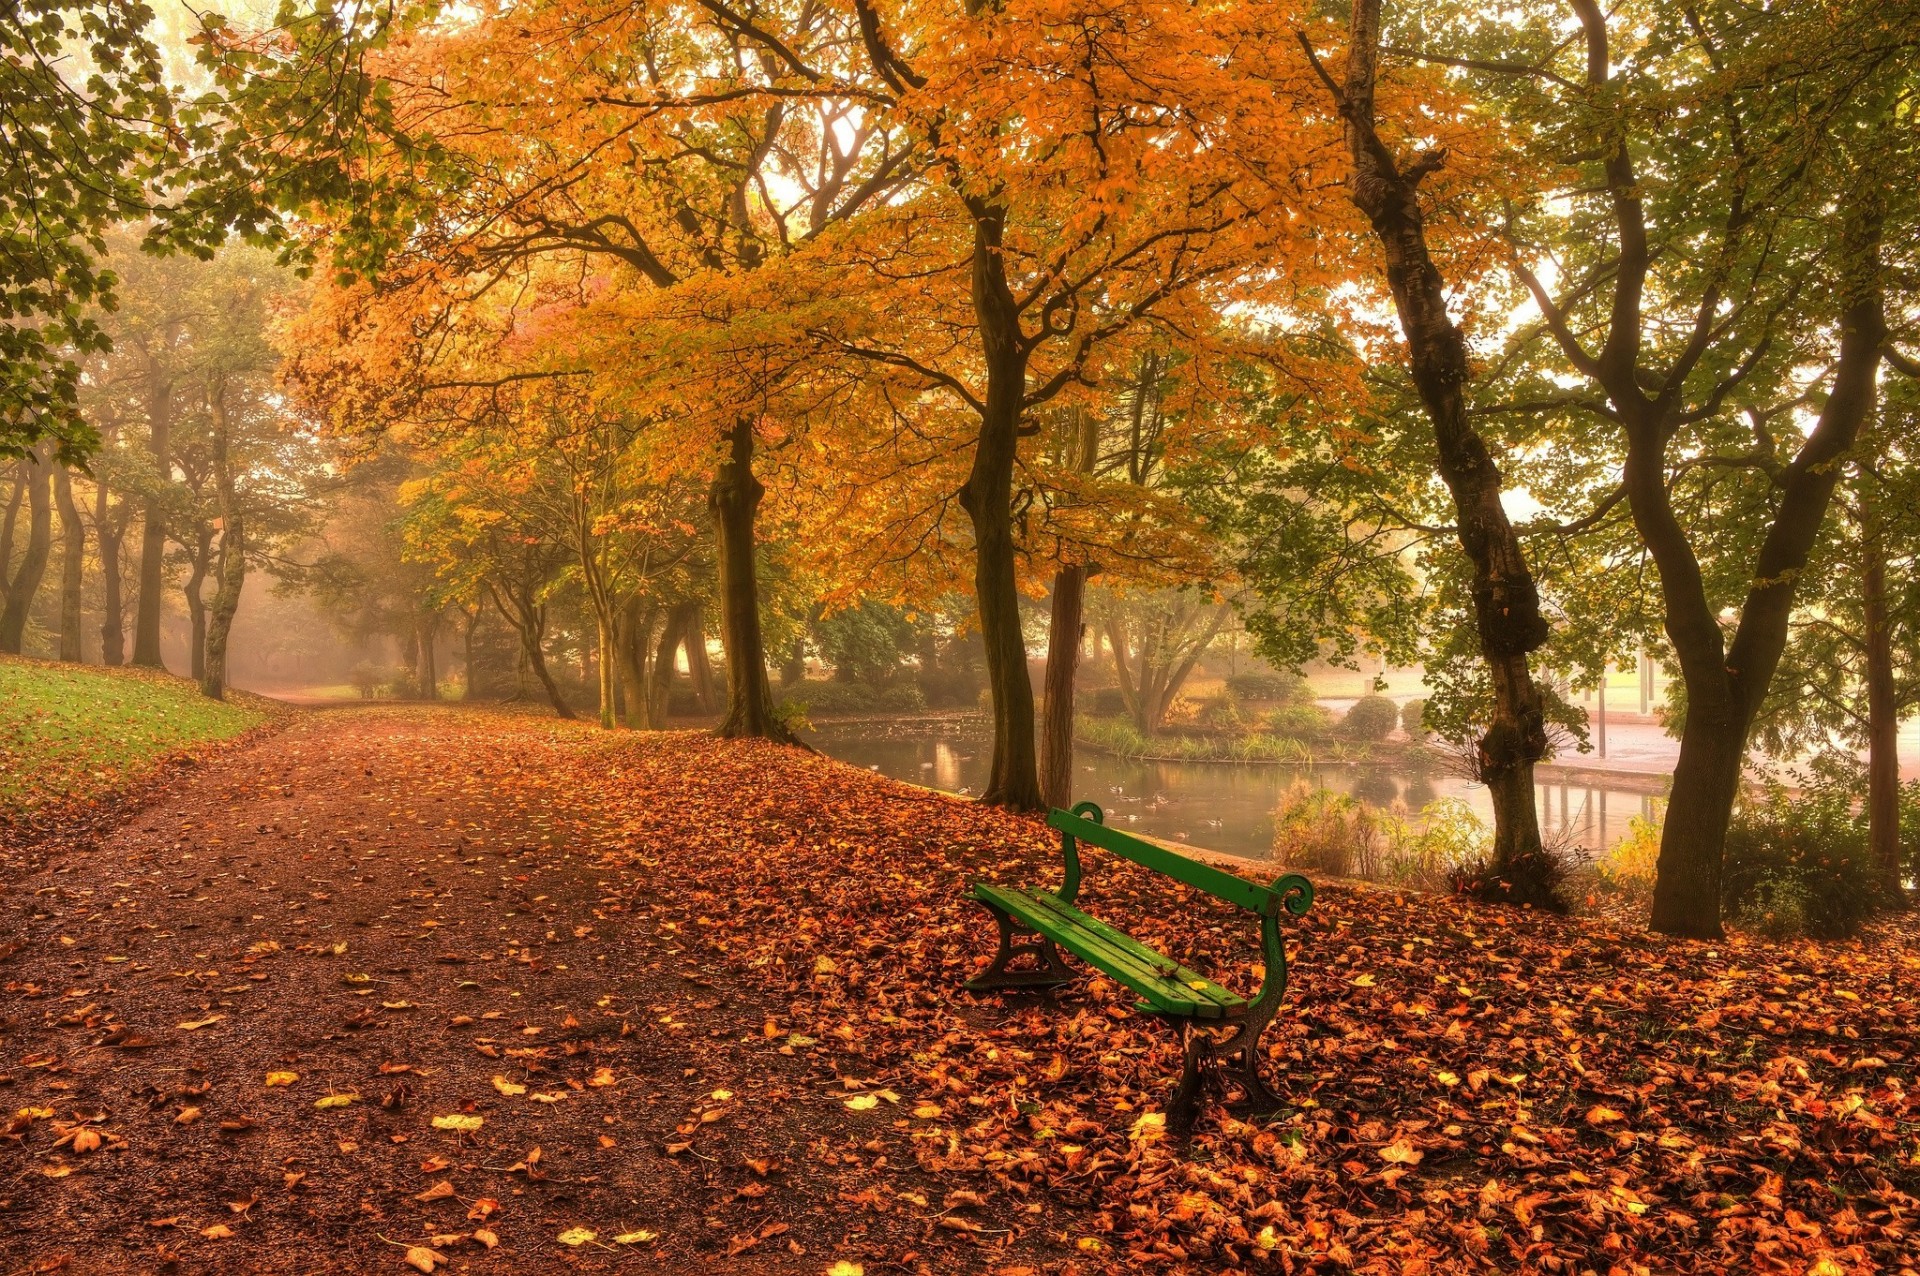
(1631, 864)
(949, 688)
(1797, 863)
(831, 697)
(902, 697)
(1332, 833)
(1107, 702)
(1302, 721)
(1370, 719)
(1413, 720)
(366, 678)
(1535, 881)
(1269, 688)
(1221, 712)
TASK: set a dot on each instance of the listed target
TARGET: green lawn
(73, 732)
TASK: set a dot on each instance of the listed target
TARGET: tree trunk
(153, 529)
(1506, 602)
(1064, 628)
(109, 530)
(73, 566)
(472, 617)
(699, 665)
(735, 502)
(660, 676)
(607, 649)
(196, 603)
(1883, 721)
(987, 497)
(426, 672)
(630, 641)
(12, 519)
(20, 590)
(226, 600)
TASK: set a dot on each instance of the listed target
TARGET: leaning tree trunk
(1506, 602)
(529, 621)
(630, 642)
(987, 497)
(1883, 721)
(735, 502)
(153, 527)
(1065, 627)
(73, 565)
(660, 675)
(25, 584)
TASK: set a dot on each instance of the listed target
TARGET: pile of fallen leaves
(469, 992)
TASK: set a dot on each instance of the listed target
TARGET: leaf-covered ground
(492, 994)
(70, 733)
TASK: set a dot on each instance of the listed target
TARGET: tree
(1696, 268)
(1510, 624)
(34, 479)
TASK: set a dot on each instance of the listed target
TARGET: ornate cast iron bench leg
(1050, 973)
(1198, 1068)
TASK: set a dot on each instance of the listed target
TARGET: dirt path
(394, 906)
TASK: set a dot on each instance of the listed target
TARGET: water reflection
(1226, 806)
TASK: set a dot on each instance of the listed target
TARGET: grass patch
(1121, 738)
(71, 732)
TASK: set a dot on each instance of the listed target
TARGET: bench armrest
(1070, 850)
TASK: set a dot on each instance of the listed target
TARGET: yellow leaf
(844, 1268)
(335, 1101)
(420, 1258)
(282, 1078)
(485, 1236)
(576, 1236)
(639, 1236)
(1363, 981)
(1401, 1152)
(928, 1111)
(464, 1124)
(601, 1076)
(507, 1087)
(218, 1232)
(191, 1024)
(861, 1102)
(1599, 1114)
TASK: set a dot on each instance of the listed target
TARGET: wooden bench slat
(1214, 881)
(1166, 985)
(1190, 983)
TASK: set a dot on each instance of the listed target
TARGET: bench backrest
(1085, 824)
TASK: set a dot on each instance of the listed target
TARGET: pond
(1227, 806)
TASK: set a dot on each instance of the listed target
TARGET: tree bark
(1506, 602)
(608, 654)
(987, 497)
(153, 528)
(232, 571)
(1065, 625)
(73, 566)
(660, 675)
(471, 615)
(196, 603)
(20, 591)
(735, 502)
(699, 665)
(110, 530)
(426, 671)
(630, 641)
(1883, 720)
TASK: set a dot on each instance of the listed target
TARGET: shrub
(366, 678)
(902, 697)
(1413, 715)
(1339, 835)
(1537, 880)
(1370, 719)
(1107, 702)
(1302, 721)
(1221, 712)
(1797, 863)
(947, 688)
(1269, 688)
(830, 697)
(1630, 866)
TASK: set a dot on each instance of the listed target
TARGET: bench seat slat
(1167, 986)
(1214, 881)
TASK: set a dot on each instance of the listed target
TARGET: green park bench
(1165, 987)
